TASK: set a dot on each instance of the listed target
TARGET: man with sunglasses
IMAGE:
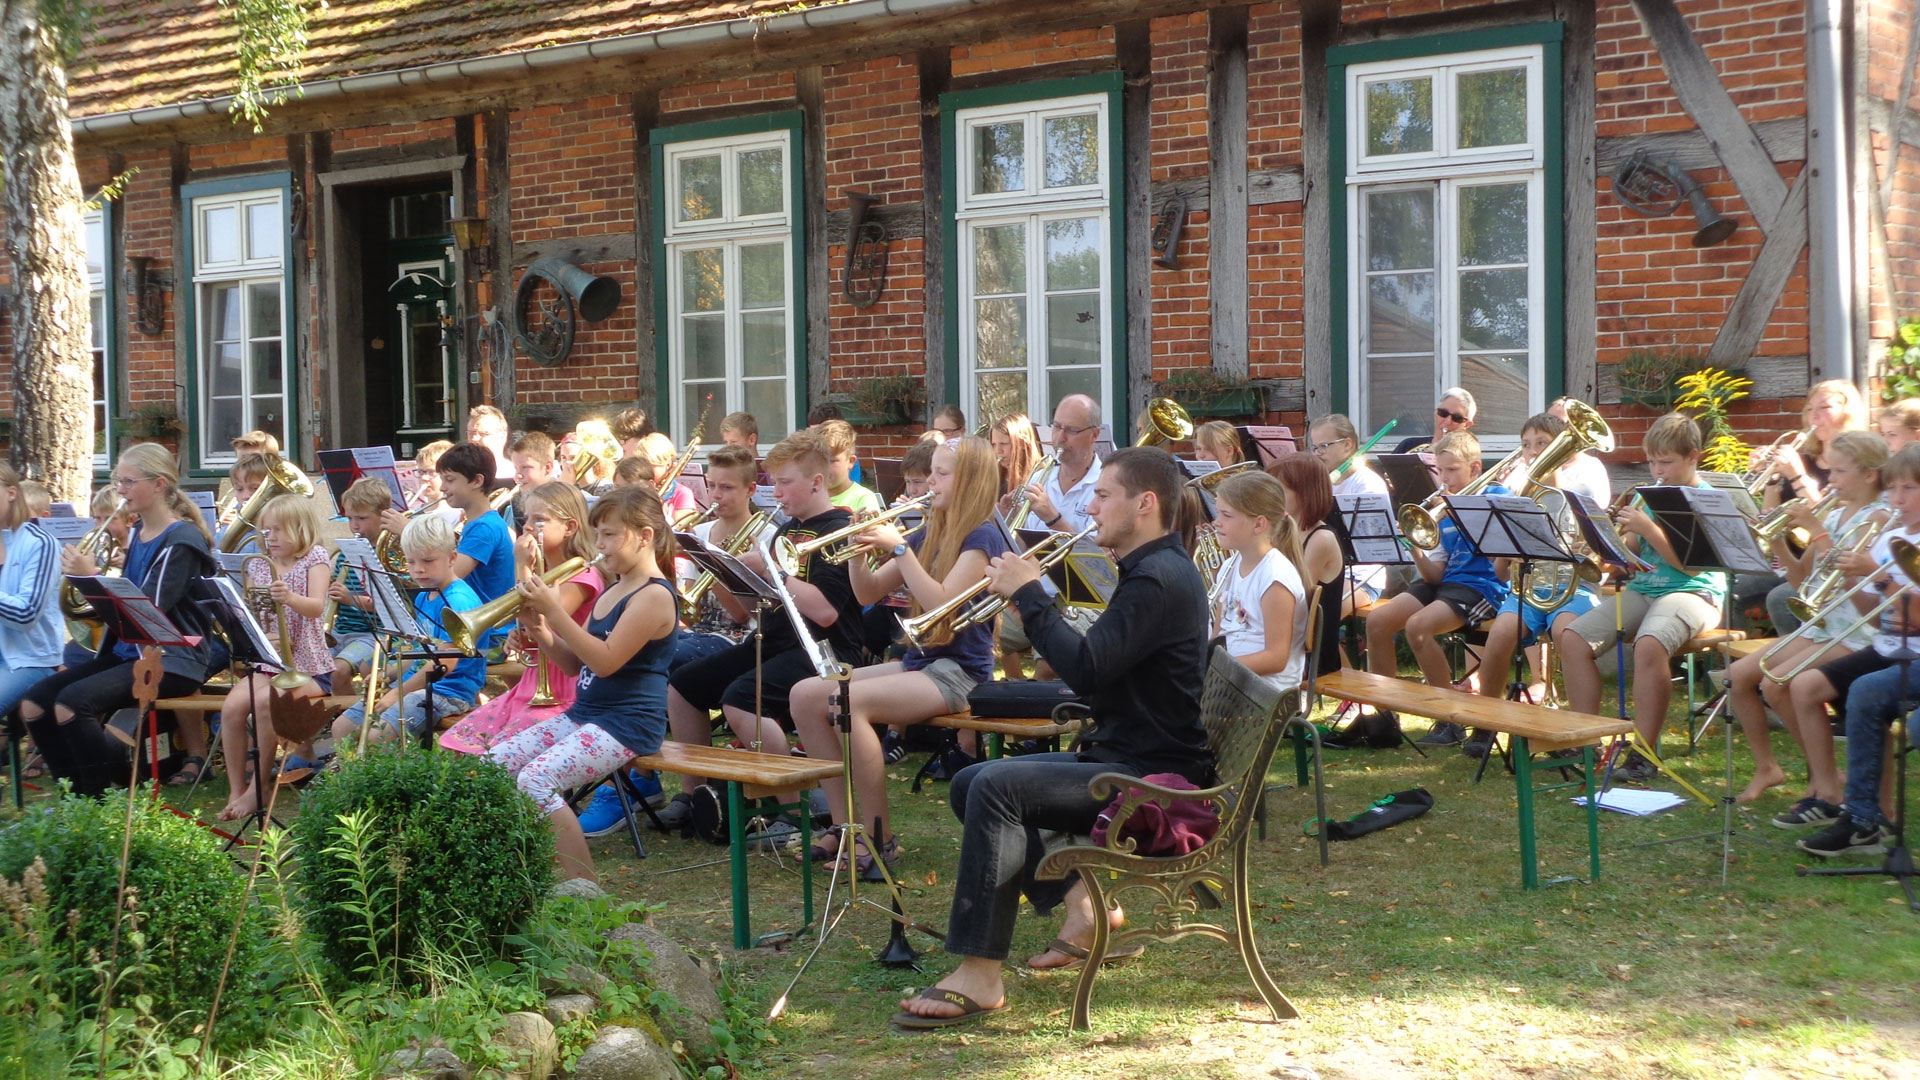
(1455, 412)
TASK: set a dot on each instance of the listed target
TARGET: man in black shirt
(1141, 666)
(822, 591)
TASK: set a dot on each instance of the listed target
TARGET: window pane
(708, 397)
(1493, 224)
(1000, 259)
(763, 274)
(1491, 108)
(1072, 149)
(266, 415)
(96, 233)
(703, 284)
(1073, 329)
(1000, 157)
(763, 343)
(1073, 254)
(1061, 383)
(220, 240)
(1401, 387)
(762, 184)
(97, 321)
(1499, 383)
(223, 424)
(263, 310)
(263, 231)
(1400, 229)
(767, 401)
(226, 367)
(1002, 393)
(704, 346)
(1000, 332)
(1399, 116)
(226, 313)
(266, 367)
(700, 188)
(1493, 309)
(1400, 314)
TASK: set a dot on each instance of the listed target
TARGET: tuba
(1164, 422)
(282, 479)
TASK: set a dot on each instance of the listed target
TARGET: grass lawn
(1414, 954)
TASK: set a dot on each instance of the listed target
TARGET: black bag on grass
(1384, 813)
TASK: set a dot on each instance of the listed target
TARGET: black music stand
(132, 617)
(1084, 579)
(251, 649)
(1708, 532)
(1409, 477)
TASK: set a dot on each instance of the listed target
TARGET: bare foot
(1762, 780)
(240, 806)
(1076, 930)
(976, 977)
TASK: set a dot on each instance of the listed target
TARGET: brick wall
(757, 89)
(1177, 131)
(1276, 241)
(348, 140)
(1016, 53)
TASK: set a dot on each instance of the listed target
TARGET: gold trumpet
(282, 479)
(792, 556)
(737, 543)
(1756, 481)
(333, 606)
(693, 518)
(1777, 523)
(542, 682)
(969, 608)
(662, 483)
(100, 544)
(850, 551)
(1904, 554)
(466, 628)
(264, 605)
(1826, 577)
(1164, 422)
(1036, 477)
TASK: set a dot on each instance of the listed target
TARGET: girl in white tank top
(1259, 605)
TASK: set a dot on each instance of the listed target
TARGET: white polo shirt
(1072, 503)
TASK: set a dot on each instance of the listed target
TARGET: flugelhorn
(282, 479)
(1906, 555)
(1036, 477)
(969, 608)
(100, 544)
(466, 628)
(792, 556)
(263, 604)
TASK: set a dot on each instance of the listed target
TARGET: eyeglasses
(1070, 430)
(1322, 447)
(128, 481)
(1453, 416)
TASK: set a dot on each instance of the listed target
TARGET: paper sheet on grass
(1634, 801)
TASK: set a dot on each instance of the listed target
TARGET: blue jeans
(15, 682)
(414, 708)
(1872, 703)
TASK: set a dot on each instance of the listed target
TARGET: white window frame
(249, 268)
(729, 232)
(1447, 171)
(1033, 206)
(100, 332)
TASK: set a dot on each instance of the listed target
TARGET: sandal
(971, 1010)
(889, 854)
(1080, 955)
(820, 850)
(189, 772)
(34, 769)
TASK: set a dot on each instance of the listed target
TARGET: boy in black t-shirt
(822, 592)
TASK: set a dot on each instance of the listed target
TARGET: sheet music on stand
(1265, 443)
(1735, 486)
(1367, 531)
(130, 613)
(391, 611)
(1596, 528)
(729, 573)
(1705, 527)
(256, 646)
(1507, 527)
(66, 530)
(342, 467)
(1196, 469)
(208, 503)
(64, 510)
(1086, 578)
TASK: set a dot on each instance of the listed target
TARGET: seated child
(427, 462)
(633, 471)
(663, 456)
(740, 429)
(842, 462)
(362, 503)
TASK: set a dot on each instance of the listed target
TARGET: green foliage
(185, 889)
(272, 36)
(892, 396)
(409, 856)
(1710, 391)
(1902, 379)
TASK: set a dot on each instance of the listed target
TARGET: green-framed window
(237, 249)
(1033, 210)
(730, 312)
(1447, 254)
(100, 308)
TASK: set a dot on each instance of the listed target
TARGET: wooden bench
(749, 775)
(996, 729)
(1245, 718)
(1528, 728)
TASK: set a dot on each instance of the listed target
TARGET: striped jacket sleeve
(39, 579)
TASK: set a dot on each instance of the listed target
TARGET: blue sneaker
(648, 785)
(604, 814)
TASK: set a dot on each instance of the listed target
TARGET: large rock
(433, 1063)
(579, 889)
(529, 1040)
(562, 1008)
(577, 979)
(676, 973)
(622, 1053)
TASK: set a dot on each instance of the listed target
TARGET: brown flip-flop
(971, 1010)
(1079, 955)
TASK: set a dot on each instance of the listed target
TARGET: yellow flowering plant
(1708, 392)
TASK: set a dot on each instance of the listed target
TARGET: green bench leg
(1300, 772)
(1587, 762)
(737, 864)
(1523, 790)
(994, 744)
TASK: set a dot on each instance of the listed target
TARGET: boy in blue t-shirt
(484, 559)
(429, 547)
(1457, 588)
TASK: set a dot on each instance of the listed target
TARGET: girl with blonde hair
(1259, 599)
(1216, 441)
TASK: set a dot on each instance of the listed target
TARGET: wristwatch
(898, 550)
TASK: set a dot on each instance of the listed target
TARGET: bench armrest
(1134, 792)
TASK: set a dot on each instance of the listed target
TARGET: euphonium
(466, 628)
(792, 556)
(264, 606)
(969, 608)
(737, 543)
(102, 546)
(1825, 577)
(1905, 554)
(1165, 421)
(282, 479)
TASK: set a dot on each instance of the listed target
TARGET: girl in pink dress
(556, 520)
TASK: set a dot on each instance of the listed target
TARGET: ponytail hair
(1257, 494)
(152, 459)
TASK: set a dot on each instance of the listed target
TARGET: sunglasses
(1453, 416)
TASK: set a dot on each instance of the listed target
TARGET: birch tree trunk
(52, 350)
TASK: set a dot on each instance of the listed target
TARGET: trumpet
(542, 682)
(1585, 431)
(100, 544)
(1777, 523)
(850, 551)
(1905, 554)
(264, 605)
(282, 479)
(693, 518)
(737, 543)
(969, 608)
(1756, 480)
(662, 483)
(1036, 477)
(1826, 576)
(1208, 481)
(791, 556)
(466, 628)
